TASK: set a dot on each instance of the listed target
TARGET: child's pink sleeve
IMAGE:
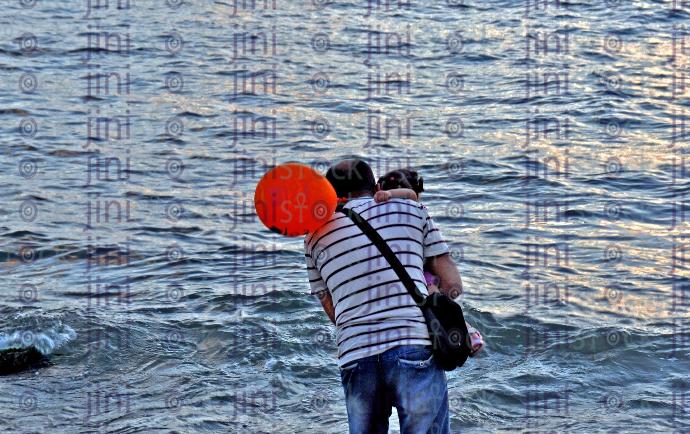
(431, 279)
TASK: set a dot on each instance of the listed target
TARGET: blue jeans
(404, 377)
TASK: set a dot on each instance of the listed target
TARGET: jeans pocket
(420, 359)
(349, 366)
(346, 372)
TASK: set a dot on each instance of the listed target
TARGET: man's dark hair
(351, 178)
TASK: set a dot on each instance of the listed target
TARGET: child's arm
(400, 193)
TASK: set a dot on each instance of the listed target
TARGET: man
(384, 351)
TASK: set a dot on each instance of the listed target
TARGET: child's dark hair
(403, 178)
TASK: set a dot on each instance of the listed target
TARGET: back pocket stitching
(417, 363)
(349, 367)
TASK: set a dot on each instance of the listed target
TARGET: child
(407, 184)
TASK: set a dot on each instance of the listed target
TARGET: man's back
(373, 310)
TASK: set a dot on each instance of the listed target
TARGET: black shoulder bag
(444, 318)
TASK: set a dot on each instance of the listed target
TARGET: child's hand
(476, 339)
(382, 196)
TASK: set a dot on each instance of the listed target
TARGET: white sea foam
(46, 341)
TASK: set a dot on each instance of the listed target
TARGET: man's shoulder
(405, 205)
(337, 220)
(396, 202)
(359, 203)
(403, 211)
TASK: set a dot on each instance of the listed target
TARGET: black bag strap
(387, 253)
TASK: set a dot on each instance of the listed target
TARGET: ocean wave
(44, 333)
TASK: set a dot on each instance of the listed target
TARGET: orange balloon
(293, 199)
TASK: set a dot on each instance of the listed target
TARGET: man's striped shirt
(373, 310)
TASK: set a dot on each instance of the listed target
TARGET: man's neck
(354, 197)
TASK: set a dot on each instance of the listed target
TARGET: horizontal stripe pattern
(374, 312)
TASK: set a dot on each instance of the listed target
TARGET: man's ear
(377, 187)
